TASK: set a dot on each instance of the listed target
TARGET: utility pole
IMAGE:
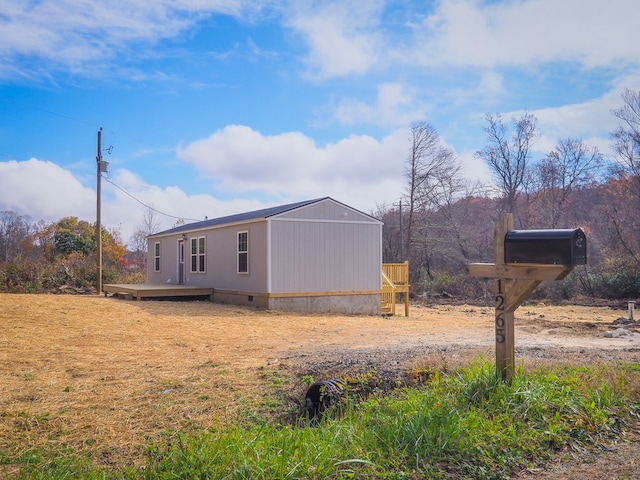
(399, 205)
(98, 211)
(401, 234)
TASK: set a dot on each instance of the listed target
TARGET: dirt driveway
(104, 375)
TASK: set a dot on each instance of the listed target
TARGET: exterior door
(180, 262)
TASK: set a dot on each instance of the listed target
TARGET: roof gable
(237, 218)
(327, 210)
(261, 214)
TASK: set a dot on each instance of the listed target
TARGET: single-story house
(313, 256)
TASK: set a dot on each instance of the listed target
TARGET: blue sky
(215, 107)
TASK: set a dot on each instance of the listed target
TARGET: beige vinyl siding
(168, 261)
(221, 253)
(222, 259)
(323, 256)
(328, 210)
(319, 248)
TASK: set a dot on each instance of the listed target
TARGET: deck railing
(395, 280)
(388, 295)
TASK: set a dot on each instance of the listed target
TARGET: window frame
(242, 242)
(156, 257)
(198, 254)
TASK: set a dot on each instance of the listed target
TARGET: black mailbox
(550, 247)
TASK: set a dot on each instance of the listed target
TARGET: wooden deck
(142, 290)
(395, 280)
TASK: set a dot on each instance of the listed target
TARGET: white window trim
(238, 252)
(157, 256)
(198, 254)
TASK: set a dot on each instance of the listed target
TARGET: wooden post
(406, 288)
(504, 320)
(513, 284)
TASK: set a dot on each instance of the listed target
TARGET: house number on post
(500, 321)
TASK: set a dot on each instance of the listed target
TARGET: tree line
(441, 223)
(60, 256)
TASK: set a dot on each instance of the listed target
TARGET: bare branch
(508, 158)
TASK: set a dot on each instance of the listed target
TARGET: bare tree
(392, 243)
(627, 137)
(570, 166)
(14, 233)
(627, 146)
(150, 224)
(454, 218)
(508, 157)
(431, 172)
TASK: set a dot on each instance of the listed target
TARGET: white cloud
(351, 38)
(124, 205)
(587, 120)
(45, 191)
(395, 105)
(74, 34)
(485, 34)
(342, 35)
(591, 120)
(44, 187)
(475, 169)
(248, 171)
(491, 85)
(358, 170)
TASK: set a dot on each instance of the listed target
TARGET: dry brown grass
(103, 376)
(100, 374)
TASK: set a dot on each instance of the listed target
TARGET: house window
(156, 256)
(243, 252)
(198, 258)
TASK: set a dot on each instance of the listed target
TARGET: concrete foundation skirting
(353, 304)
(346, 304)
(235, 298)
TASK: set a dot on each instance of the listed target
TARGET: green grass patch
(462, 424)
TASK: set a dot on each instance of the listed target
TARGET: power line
(108, 130)
(50, 112)
(14, 157)
(112, 132)
(147, 206)
(115, 185)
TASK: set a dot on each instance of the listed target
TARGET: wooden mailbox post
(514, 282)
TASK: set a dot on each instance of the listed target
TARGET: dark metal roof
(240, 217)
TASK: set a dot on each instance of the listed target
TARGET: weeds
(464, 424)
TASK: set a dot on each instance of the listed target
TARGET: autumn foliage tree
(47, 256)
